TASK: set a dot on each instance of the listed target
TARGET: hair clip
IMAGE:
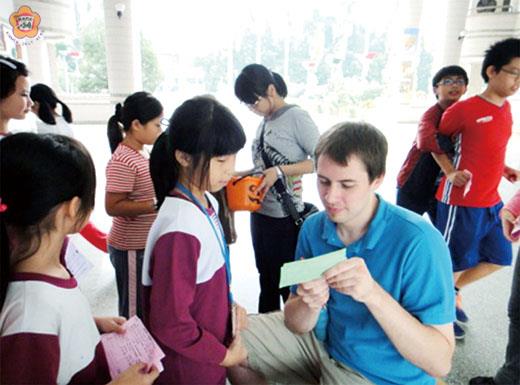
(8, 63)
(3, 206)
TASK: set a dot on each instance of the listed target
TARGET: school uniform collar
(371, 238)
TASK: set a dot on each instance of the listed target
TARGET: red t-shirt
(480, 131)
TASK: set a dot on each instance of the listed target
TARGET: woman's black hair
(38, 173)
(141, 106)
(48, 101)
(10, 69)
(253, 81)
(200, 127)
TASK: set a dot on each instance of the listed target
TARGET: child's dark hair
(253, 81)
(355, 138)
(10, 69)
(200, 127)
(48, 101)
(452, 70)
(500, 54)
(141, 106)
(38, 173)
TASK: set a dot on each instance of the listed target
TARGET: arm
(29, 358)
(428, 131)
(302, 309)
(457, 177)
(172, 293)
(511, 174)
(270, 174)
(429, 347)
(510, 216)
(119, 205)
(120, 183)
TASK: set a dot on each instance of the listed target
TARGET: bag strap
(282, 195)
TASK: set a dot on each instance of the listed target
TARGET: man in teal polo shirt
(389, 305)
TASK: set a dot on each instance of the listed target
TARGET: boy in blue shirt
(390, 303)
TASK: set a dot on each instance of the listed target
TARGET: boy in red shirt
(469, 204)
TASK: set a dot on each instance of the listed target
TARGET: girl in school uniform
(15, 102)
(186, 270)
(130, 197)
(47, 333)
(44, 107)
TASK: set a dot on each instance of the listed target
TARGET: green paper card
(293, 273)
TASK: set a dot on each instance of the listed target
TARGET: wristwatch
(279, 172)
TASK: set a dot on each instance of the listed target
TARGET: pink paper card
(135, 345)
(516, 231)
(467, 187)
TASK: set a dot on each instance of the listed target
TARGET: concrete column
(123, 50)
(38, 62)
(456, 14)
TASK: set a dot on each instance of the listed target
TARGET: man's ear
(377, 182)
(183, 158)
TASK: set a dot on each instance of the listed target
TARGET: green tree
(152, 74)
(93, 65)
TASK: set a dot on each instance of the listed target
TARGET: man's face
(450, 89)
(345, 191)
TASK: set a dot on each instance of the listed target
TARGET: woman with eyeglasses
(130, 196)
(283, 148)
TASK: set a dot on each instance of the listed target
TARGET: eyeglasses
(164, 122)
(253, 105)
(515, 74)
(450, 82)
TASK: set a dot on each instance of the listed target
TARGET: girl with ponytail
(45, 104)
(130, 196)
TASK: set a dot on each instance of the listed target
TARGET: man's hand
(351, 277)
(314, 294)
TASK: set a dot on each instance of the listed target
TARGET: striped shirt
(128, 171)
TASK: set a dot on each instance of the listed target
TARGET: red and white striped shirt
(128, 171)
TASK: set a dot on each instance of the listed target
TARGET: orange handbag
(242, 195)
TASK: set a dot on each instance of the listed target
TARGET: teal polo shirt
(409, 259)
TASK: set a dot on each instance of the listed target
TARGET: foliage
(93, 65)
(152, 74)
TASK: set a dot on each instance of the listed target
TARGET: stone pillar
(123, 50)
(454, 31)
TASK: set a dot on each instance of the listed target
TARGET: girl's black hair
(10, 69)
(253, 82)
(141, 106)
(38, 172)
(48, 101)
(200, 127)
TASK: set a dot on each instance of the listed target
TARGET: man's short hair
(453, 70)
(500, 54)
(355, 138)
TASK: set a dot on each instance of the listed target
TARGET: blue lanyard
(224, 248)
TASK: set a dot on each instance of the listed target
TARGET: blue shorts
(473, 235)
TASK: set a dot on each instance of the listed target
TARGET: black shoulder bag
(281, 190)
